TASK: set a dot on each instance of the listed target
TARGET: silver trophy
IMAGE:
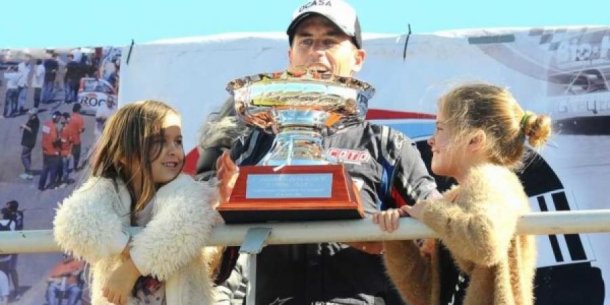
(299, 109)
(296, 180)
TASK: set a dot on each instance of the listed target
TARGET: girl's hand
(427, 247)
(226, 174)
(414, 211)
(388, 220)
(120, 283)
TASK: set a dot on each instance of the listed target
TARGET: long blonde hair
(495, 111)
(127, 147)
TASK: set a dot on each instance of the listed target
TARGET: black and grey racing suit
(388, 169)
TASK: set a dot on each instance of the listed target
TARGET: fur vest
(477, 222)
(91, 223)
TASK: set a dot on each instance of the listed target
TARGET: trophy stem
(296, 146)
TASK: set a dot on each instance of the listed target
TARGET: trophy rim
(327, 79)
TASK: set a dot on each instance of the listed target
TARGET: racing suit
(389, 171)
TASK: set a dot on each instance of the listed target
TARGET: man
(72, 79)
(51, 66)
(51, 147)
(77, 126)
(13, 217)
(102, 114)
(325, 36)
(6, 259)
(4, 290)
(11, 99)
(28, 141)
(65, 281)
(24, 69)
(38, 81)
(66, 134)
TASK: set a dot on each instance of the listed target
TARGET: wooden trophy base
(294, 192)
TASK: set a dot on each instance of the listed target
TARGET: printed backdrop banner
(563, 72)
(560, 71)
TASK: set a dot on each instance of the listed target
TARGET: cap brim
(295, 23)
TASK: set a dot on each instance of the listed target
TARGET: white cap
(338, 12)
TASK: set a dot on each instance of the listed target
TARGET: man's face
(318, 44)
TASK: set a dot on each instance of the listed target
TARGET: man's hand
(120, 283)
(388, 220)
(226, 173)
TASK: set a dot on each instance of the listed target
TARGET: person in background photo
(51, 148)
(77, 127)
(478, 258)
(74, 72)
(38, 82)
(66, 280)
(4, 290)
(11, 220)
(51, 66)
(28, 141)
(102, 114)
(24, 68)
(11, 97)
(66, 134)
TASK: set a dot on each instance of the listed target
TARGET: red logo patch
(348, 155)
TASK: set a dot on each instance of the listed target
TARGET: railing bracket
(255, 240)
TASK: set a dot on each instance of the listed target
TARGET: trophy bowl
(296, 179)
(298, 108)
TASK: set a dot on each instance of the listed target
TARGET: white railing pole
(584, 221)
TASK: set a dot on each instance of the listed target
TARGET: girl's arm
(409, 270)
(179, 229)
(87, 223)
(480, 234)
(121, 281)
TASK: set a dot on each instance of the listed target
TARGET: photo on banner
(55, 103)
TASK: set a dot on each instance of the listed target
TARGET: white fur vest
(91, 223)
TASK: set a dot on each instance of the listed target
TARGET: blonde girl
(478, 258)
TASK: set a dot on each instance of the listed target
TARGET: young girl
(136, 181)
(479, 141)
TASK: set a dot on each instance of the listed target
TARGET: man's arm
(233, 290)
(411, 180)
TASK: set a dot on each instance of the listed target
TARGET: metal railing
(565, 222)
